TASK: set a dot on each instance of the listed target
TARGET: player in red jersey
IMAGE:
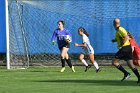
(135, 50)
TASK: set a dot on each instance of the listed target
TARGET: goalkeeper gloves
(53, 43)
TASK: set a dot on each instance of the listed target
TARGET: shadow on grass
(96, 82)
(43, 71)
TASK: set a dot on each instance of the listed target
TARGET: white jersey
(88, 49)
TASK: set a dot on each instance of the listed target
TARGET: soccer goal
(30, 25)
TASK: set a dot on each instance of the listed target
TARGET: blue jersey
(60, 37)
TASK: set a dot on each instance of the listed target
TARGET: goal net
(32, 22)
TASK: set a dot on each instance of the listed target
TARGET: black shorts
(66, 45)
(124, 53)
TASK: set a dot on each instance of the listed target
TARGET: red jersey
(136, 52)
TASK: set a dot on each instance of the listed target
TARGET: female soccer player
(135, 50)
(60, 33)
(87, 49)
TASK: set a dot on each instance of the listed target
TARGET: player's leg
(135, 62)
(115, 62)
(134, 69)
(138, 61)
(67, 56)
(91, 57)
(81, 57)
(129, 59)
(120, 55)
(62, 54)
(68, 60)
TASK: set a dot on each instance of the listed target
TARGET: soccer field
(50, 80)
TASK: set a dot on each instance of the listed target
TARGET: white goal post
(7, 35)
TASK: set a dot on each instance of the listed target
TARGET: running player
(135, 50)
(125, 51)
(60, 33)
(87, 49)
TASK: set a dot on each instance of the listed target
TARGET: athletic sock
(96, 65)
(84, 62)
(63, 62)
(122, 69)
(136, 73)
(69, 62)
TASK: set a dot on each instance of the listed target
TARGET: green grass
(50, 80)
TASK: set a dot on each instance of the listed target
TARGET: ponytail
(83, 30)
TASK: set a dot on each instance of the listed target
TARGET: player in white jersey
(86, 49)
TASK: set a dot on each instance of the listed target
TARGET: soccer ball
(67, 38)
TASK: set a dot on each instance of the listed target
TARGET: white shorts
(87, 51)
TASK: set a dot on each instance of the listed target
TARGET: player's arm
(126, 37)
(80, 45)
(54, 37)
(133, 47)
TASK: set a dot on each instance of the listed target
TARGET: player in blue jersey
(63, 44)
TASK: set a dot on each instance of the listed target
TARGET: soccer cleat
(63, 69)
(73, 70)
(126, 77)
(87, 67)
(98, 70)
